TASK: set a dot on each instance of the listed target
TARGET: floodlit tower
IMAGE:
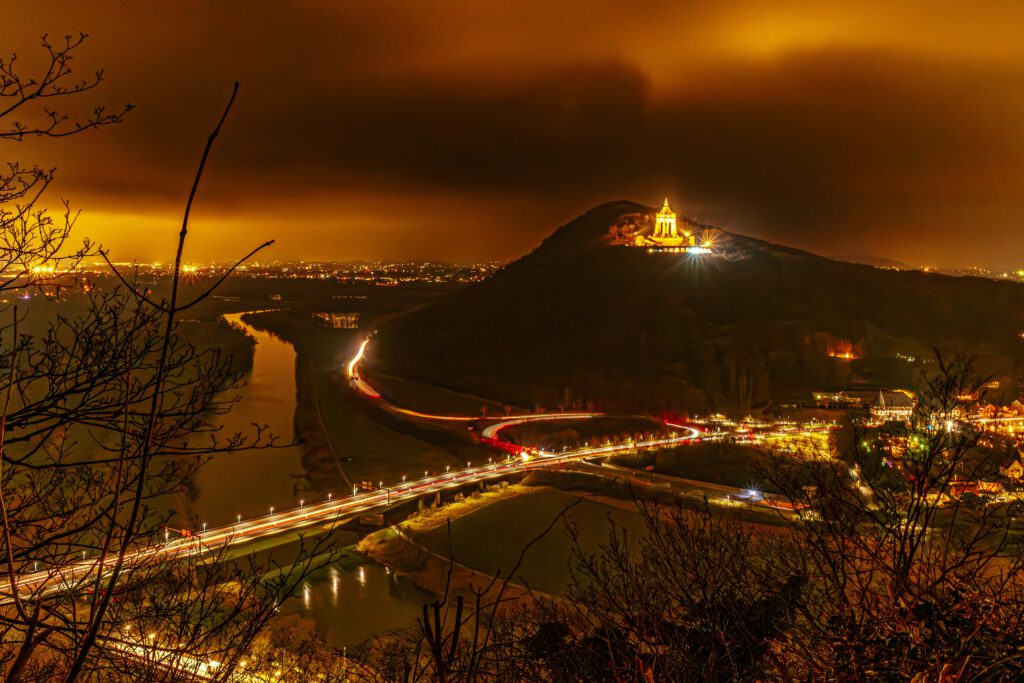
(666, 222)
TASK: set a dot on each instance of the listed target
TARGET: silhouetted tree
(907, 580)
(882, 572)
(101, 416)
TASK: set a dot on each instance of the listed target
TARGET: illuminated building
(835, 399)
(665, 224)
(892, 406)
(667, 232)
(671, 236)
(843, 350)
(1013, 471)
(338, 321)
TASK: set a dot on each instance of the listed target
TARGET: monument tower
(666, 222)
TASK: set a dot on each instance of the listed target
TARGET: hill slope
(579, 320)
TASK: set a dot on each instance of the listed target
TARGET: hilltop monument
(665, 228)
(670, 235)
(661, 232)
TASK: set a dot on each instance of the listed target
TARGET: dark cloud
(467, 129)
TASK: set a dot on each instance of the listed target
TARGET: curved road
(76, 576)
(81, 575)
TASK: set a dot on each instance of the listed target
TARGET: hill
(578, 321)
(876, 261)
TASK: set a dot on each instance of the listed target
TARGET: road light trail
(78, 576)
(366, 389)
(492, 431)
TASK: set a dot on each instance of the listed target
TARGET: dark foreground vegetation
(107, 408)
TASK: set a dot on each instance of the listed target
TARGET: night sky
(465, 129)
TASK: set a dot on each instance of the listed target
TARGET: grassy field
(487, 542)
(426, 398)
(369, 444)
(375, 446)
(554, 435)
(719, 463)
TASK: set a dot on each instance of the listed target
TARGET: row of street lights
(355, 492)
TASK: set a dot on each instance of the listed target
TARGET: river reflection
(349, 603)
(249, 483)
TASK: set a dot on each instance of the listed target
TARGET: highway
(80, 576)
(365, 389)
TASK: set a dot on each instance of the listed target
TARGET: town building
(892, 406)
(835, 400)
(338, 321)
(1013, 470)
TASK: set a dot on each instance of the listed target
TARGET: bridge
(76, 576)
(79, 576)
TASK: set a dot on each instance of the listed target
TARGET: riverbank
(397, 547)
(320, 457)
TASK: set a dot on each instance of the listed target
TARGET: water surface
(349, 603)
(250, 482)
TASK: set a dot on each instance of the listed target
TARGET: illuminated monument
(669, 236)
(665, 229)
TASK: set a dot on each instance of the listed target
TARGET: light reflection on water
(250, 483)
(352, 604)
(349, 604)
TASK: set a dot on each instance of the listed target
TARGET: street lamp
(329, 495)
(302, 501)
(355, 490)
(238, 519)
(271, 509)
(403, 478)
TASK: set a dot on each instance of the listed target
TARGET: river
(349, 604)
(250, 482)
